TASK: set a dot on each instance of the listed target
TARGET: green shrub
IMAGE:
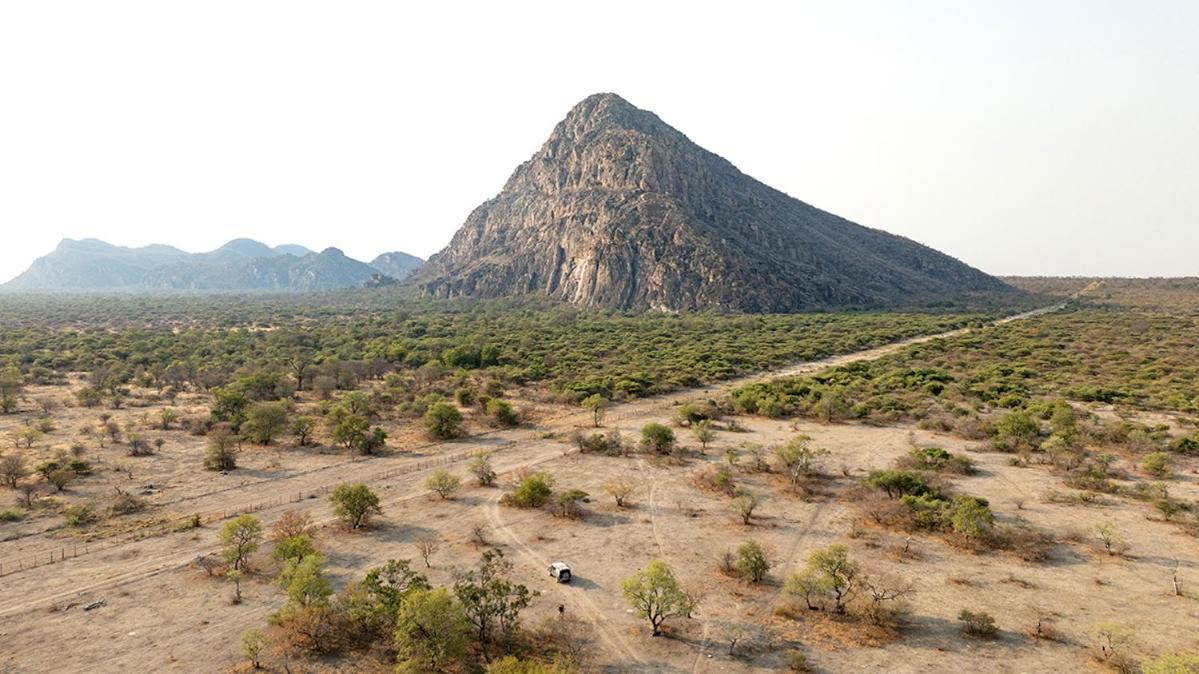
(1188, 445)
(1172, 663)
(14, 515)
(938, 460)
(534, 491)
(657, 438)
(569, 503)
(1157, 464)
(442, 420)
(502, 413)
(899, 483)
(751, 562)
(797, 661)
(79, 515)
(979, 625)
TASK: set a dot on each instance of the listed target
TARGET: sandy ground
(162, 614)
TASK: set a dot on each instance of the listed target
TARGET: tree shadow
(394, 532)
(604, 520)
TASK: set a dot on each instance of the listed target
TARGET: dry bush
(210, 563)
(290, 524)
(125, 503)
(727, 564)
(716, 478)
(746, 640)
(880, 604)
(197, 424)
(904, 552)
(301, 630)
(1045, 629)
(565, 639)
(1030, 545)
(478, 535)
(880, 509)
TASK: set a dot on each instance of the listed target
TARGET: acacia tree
(12, 385)
(655, 595)
(752, 562)
(387, 586)
(480, 466)
(241, 536)
(305, 582)
(432, 632)
(1110, 537)
(442, 420)
(798, 457)
(598, 405)
(620, 489)
(745, 503)
(492, 603)
(657, 437)
(264, 421)
(704, 432)
(354, 504)
(832, 572)
(222, 449)
(302, 427)
(299, 361)
(443, 483)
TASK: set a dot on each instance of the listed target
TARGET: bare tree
(290, 524)
(29, 491)
(427, 545)
(12, 469)
(879, 592)
(46, 404)
(478, 534)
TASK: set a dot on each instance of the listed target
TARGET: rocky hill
(618, 209)
(241, 264)
(397, 265)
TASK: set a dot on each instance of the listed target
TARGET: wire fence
(186, 522)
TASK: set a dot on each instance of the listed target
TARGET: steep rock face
(618, 209)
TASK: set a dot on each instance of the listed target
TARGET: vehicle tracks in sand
(579, 599)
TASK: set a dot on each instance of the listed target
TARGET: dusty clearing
(160, 613)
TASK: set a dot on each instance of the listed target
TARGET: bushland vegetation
(327, 342)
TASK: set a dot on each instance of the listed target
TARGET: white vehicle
(560, 572)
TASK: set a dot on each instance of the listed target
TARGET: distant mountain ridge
(618, 209)
(241, 264)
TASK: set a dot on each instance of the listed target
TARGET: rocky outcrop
(618, 209)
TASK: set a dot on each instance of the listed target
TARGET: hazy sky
(1022, 137)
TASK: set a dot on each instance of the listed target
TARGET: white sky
(1022, 137)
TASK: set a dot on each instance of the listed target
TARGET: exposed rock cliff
(618, 209)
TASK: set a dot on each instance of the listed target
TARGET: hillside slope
(618, 209)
